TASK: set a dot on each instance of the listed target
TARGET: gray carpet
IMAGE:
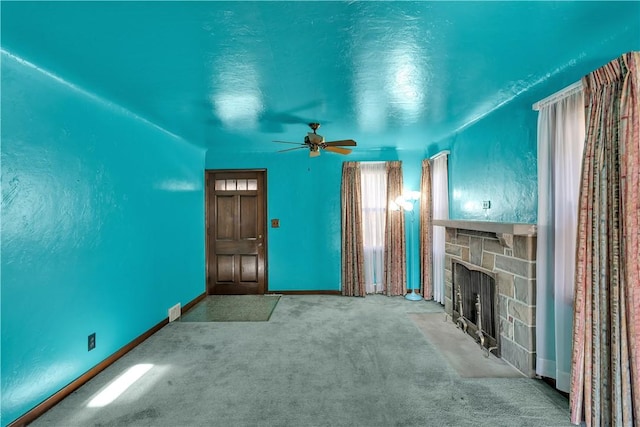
(319, 361)
(232, 308)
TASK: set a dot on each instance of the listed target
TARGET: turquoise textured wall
(102, 231)
(103, 211)
(495, 160)
(304, 193)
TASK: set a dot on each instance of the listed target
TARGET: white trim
(441, 153)
(562, 93)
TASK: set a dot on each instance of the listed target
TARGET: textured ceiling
(225, 74)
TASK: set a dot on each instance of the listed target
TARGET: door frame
(211, 172)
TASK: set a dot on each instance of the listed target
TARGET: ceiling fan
(316, 143)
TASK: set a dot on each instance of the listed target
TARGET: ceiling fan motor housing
(314, 138)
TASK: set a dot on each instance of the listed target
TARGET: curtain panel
(352, 240)
(426, 232)
(605, 377)
(373, 176)
(560, 148)
(440, 198)
(395, 271)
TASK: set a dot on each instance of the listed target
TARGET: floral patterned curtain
(352, 241)
(605, 377)
(426, 231)
(395, 268)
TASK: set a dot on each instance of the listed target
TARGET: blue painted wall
(494, 155)
(102, 212)
(304, 193)
(495, 160)
(102, 231)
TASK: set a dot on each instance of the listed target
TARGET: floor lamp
(406, 203)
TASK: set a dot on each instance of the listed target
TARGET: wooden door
(236, 232)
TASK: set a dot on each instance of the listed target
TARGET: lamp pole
(413, 296)
(407, 202)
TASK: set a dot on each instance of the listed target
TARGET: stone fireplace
(506, 253)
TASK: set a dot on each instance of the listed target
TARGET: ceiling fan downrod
(314, 126)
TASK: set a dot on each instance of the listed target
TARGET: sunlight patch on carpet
(119, 385)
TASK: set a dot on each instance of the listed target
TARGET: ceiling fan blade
(289, 142)
(289, 149)
(338, 150)
(343, 142)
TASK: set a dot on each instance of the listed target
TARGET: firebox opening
(474, 291)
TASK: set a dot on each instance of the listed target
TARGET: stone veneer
(509, 252)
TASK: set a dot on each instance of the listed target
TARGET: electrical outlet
(174, 312)
(91, 341)
(486, 204)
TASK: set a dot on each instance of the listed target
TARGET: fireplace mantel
(515, 229)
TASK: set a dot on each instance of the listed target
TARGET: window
(374, 205)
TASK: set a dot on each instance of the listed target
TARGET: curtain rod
(562, 93)
(441, 153)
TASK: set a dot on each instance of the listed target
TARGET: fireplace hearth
(505, 253)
